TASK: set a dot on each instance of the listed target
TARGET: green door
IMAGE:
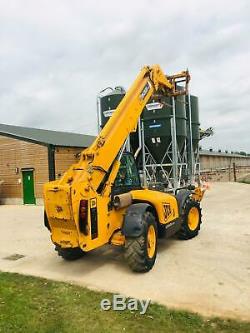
(28, 187)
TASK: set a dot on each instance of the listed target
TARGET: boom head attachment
(178, 79)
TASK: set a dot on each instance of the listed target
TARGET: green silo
(157, 125)
(194, 101)
(180, 113)
(108, 103)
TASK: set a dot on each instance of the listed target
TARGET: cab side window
(127, 174)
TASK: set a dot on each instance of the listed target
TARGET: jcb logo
(166, 210)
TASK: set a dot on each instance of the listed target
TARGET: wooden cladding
(64, 158)
(16, 155)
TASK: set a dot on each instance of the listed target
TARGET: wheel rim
(151, 241)
(193, 218)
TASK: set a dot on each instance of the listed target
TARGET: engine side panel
(165, 204)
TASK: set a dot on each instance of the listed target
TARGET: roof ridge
(47, 137)
(43, 129)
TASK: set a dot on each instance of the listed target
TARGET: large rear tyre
(191, 220)
(140, 252)
(69, 254)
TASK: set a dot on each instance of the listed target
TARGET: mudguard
(181, 197)
(133, 220)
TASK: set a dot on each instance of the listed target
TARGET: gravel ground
(209, 274)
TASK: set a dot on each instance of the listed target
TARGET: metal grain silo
(108, 102)
(194, 103)
(157, 125)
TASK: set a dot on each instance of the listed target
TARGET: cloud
(56, 56)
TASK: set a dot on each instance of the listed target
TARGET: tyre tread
(185, 233)
(135, 249)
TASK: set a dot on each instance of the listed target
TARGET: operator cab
(127, 178)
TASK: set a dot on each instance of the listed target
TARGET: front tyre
(140, 252)
(191, 220)
(69, 254)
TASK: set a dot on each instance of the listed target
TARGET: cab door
(127, 178)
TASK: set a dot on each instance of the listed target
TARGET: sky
(55, 56)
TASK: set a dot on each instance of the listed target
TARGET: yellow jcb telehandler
(100, 199)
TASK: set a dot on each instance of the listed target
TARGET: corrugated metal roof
(47, 137)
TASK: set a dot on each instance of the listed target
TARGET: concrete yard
(209, 274)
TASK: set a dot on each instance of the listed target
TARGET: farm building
(212, 160)
(30, 157)
(219, 166)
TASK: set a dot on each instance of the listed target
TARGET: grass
(29, 304)
(245, 179)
